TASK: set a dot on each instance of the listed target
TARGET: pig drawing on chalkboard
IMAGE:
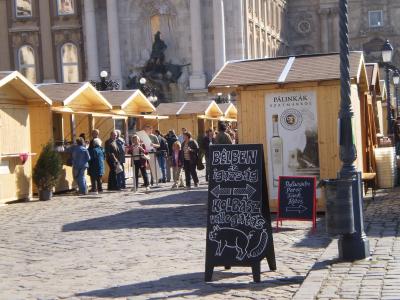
(236, 239)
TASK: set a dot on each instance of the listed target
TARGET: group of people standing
(173, 153)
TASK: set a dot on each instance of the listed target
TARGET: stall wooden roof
(129, 102)
(204, 108)
(169, 109)
(373, 76)
(282, 70)
(229, 110)
(78, 97)
(23, 86)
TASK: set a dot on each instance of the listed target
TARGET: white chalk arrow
(218, 191)
(299, 209)
(248, 191)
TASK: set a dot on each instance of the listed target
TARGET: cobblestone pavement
(152, 246)
(375, 278)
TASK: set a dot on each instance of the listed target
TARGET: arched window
(69, 63)
(26, 62)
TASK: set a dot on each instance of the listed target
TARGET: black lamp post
(387, 53)
(353, 245)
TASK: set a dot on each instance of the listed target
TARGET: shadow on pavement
(185, 217)
(191, 214)
(186, 282)
(183, 198)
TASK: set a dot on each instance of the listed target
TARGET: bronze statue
(158, 73)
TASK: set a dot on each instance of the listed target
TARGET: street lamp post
(352, 246)
(103, 76)
(104, 84)
(387, 53)
(148, 91)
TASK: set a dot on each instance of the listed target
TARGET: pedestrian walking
(80, 159)
(96, 166)
(222, 137)
(171, 139)
(208, 140)
(121, 159)
(190, 150)
(162, 154)
(112, 154)
(140, 160)
(177, 162)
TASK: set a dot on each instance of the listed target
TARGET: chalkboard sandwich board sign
(297, 199)
(239, 229)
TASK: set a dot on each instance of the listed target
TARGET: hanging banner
(292, 134)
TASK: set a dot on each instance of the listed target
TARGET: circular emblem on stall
(291, 119)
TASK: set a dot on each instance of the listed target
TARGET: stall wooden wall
(105, 125)
(252, 126)
(16, 182)
(190, 122)
(41, 129)
(82, 125)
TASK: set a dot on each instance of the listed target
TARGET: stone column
(219, 33)
(197, 79)
(335, 30)
(324, 30)
(91, 41)
(113, 40)
(46, 42)
(4, 45)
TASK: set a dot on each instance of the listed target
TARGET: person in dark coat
(80, 159)
(222, 137)
(190, 150)
(121, 158)
(96, 165)
(171, 139)
(208, 140)
(162, 154)
(112, 154)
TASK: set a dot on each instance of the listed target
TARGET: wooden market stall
(229, 110)
(196, 116)
(75, 105)
(20, 104)
(129, 108)
(291, 105)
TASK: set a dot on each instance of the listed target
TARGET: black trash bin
(339, 206)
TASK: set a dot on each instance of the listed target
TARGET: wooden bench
(369, 180)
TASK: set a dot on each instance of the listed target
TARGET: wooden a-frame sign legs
(255, 269)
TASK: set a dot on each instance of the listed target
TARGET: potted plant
(46, 171)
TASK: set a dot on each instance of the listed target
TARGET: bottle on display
(276, 152)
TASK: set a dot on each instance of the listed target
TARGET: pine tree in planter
(46, 171)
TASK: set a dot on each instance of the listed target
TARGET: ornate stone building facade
(313, 26)
(42, 39)
(200, 35)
